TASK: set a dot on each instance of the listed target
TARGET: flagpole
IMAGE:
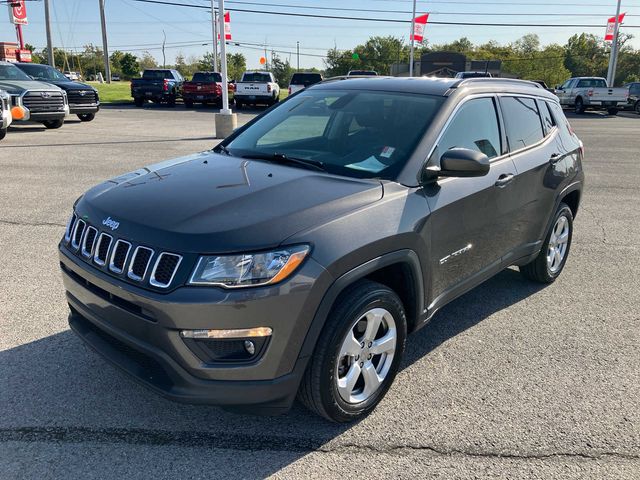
(412, 39)
(613, 57)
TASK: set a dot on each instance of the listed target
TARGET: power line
(384, 20)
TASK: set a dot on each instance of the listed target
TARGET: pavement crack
(256, 442)
(31, 224)
(599, 224)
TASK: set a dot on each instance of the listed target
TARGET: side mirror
(463, 162)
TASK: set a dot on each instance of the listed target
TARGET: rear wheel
(3, 133)
(613, 111)
(53, 124)
(549, 263)
(357, 355)
(579, 106)
(86, 117)
(138, 102)
(637, 107)
(188, 103)
(171, 101)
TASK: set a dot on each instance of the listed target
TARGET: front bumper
(138, 331)
(80, 109)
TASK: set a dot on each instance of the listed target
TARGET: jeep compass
(294, 258)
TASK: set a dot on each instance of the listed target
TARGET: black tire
(138, 102)
(579, 106)
(538, 270)
(53, 124)
(239, 105)
(318, 389)
(637, 107)
(3, 133)
(86, 117)
(171, 101)
(188, 103)
(613, 111)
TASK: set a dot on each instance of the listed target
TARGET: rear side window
(566, 132)
(474, 126)
(522, 122)
(207, 77)
(547, 117)
(635, 89)
(305, 79)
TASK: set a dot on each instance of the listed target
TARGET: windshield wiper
(221, 149)
(285, 159)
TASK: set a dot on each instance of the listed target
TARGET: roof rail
(512, 81)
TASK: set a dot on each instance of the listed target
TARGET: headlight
(248, 270)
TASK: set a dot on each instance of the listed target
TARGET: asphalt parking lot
(510, 381)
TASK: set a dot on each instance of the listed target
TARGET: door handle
(555, 158)
(504, 179)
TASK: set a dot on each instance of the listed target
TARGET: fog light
(250, 347)
(18, 113)
(231, 333)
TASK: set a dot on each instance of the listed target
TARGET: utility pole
(413, 28)
(164, 57)
(214, 29)
(298, 54)
(47, 21)
(105, 47)
(613, 57)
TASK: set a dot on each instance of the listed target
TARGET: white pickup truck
(257, 87)
(591, 93)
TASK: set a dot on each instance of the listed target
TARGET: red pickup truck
(205, 87)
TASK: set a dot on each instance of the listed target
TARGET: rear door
(470, 217)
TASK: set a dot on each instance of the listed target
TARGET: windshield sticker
(387, 152)
(371, 164)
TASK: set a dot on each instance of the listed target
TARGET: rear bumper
(254, 98)
(200, 97)
(139, 331)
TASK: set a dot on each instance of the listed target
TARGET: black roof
(430, 85)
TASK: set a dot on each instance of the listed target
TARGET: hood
(19, 86)
(211, 203)
(69, 85)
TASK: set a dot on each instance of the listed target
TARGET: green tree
(236, 65)
(129, 66)
(147, 61)
(282, 70)
(586, 55)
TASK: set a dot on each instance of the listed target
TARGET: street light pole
(214, 28)
(47, 21)
(105, 47)
(298, 54)
(613, 57)
(411, 37)
(225, 121)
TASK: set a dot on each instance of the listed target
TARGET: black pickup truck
(157, 85)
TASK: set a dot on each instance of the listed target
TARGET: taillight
(165, 85)
(218, 88)
(268, 88)
(590, 92)
(289, 90)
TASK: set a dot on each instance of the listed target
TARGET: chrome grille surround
(90, 235)
(76, 236)
(112, 266)
(69, 228)
(96, 257)
(130, 273)
(153, 281)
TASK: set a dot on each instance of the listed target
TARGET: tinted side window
(635, 89)
(522, 122)
(475, 126)
(547, 117)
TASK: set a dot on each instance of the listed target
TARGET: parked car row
(167, 85)
(40, 93)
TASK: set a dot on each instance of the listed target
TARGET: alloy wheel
(558, 243)
(366, 356)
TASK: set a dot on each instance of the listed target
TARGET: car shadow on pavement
(56, 391)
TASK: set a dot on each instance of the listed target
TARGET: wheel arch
(399, 270)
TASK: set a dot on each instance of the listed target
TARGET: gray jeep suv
(294, 258)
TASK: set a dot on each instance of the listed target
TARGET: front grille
(139, 263)
(89, 241)
(102, 249)
(119, 256)
(78, 230)
(69, 229)
(42, 102)
(81, 97)
(165, 269)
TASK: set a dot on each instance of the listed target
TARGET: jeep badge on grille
(112, 224)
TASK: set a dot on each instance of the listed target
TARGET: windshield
(365, 134)
(305, 79)
(11, 72)
(256, 77)
(157, 74)
(43, 72)
(206, 77)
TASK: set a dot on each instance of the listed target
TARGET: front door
(469, 225)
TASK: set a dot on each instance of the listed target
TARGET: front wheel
(86, 117)
(53, 124)
(637, 107)
(188, 103)
(138, 102)
(579, 106)
(3, 133)
(357, 355)
(613, 111)
(549, 263)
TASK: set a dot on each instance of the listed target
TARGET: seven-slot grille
(39, 102)
(116, 254)
(81, 97)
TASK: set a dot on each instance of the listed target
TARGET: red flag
(611, 25)
(227, 26)
(420, 24)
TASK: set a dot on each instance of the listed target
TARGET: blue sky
(135, 27)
